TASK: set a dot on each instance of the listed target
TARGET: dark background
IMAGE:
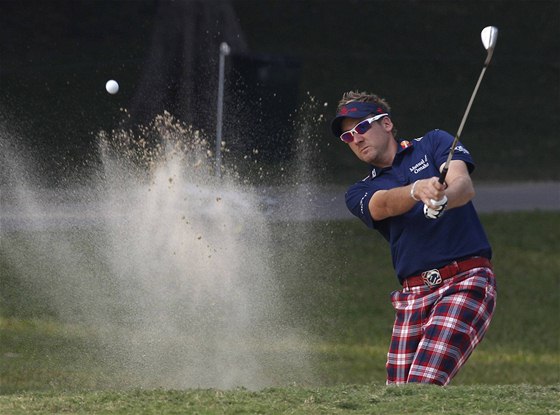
(424, 57)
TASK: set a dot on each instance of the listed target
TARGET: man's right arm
(393, 202)
(399, 200)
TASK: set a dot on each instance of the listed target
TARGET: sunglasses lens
(362, 127)
(347, 137)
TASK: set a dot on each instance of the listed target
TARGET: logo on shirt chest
(421, 165)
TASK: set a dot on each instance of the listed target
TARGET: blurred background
(287, 58)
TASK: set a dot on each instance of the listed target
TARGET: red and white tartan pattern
(437, 329)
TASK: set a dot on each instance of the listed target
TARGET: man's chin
(367, 156)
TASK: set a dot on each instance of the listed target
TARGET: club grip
(443, 174)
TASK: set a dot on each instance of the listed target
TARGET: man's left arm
(460, 189)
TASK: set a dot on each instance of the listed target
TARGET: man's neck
(389, 156)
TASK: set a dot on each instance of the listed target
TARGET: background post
(224, 51)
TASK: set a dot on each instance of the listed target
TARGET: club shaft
(443, 173)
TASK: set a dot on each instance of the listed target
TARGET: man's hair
(352, 96)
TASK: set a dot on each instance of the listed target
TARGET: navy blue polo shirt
(417, 243)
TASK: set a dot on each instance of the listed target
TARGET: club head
(489, 36)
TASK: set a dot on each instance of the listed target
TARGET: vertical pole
(224, 51)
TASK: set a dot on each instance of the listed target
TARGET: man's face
(376, 145)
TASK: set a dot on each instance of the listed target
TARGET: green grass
(336, 282)
(343, 399)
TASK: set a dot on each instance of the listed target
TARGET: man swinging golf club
(418, 197)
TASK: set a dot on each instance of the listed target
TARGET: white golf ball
(112, 87)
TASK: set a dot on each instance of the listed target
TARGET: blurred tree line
(424, 57)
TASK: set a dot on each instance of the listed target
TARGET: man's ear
(387, 123)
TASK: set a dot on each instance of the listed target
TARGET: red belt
(435, 277)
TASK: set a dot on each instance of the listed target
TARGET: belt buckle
(432, 278)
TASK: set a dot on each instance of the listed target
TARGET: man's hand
(427, 190)
(432, 193)
(435, 213)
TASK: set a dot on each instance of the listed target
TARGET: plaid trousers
(436, 329)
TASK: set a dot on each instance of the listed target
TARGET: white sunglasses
(360, 128)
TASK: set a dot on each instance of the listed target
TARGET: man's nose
(358, 137)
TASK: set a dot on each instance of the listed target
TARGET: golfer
(440, 251)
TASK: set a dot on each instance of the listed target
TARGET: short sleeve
(357, 201)
(441, 142)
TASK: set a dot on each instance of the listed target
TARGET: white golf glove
(438, 212)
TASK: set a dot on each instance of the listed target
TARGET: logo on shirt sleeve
(461, 149)
(362, 204)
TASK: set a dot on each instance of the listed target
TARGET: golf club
(489, 36)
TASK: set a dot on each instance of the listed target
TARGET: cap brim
(336, 126)
(336, 123)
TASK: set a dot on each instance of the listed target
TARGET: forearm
(397, 201)
(393, 202)
(459, 191)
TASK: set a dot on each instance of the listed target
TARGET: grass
(343, 399)
(336, 282)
